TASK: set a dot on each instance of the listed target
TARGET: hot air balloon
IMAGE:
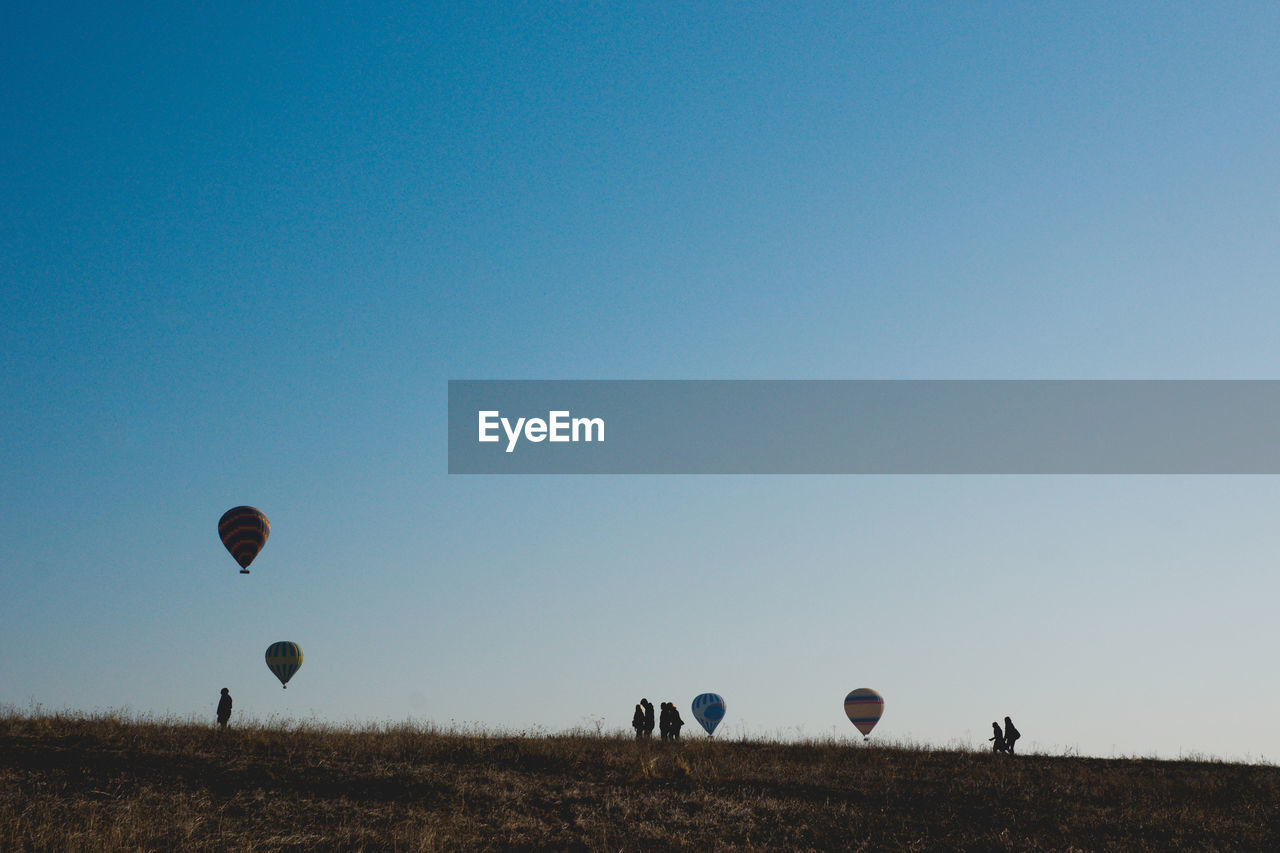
(283, 659)
(244, 530)
(863, 707)
(708, 709)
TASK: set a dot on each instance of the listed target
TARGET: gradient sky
(244, 248)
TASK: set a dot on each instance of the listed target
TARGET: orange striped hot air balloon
(244, 530)
(863, 707)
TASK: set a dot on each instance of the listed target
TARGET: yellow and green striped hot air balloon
(284, 659)
(243, 531)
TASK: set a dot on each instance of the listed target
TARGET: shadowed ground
(95, 783)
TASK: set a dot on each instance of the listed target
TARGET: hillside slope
(95, 783)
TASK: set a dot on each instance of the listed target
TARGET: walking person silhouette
(1011, 735)
(998, 738)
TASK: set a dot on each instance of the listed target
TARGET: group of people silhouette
(1004, 741)
(669, 721)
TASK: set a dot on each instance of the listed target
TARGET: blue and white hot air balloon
(708, 709)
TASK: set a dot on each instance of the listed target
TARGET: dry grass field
(100, 782)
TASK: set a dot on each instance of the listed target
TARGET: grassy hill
(105, 783)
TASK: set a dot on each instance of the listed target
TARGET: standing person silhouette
(637, 722)
(1011, 735)
(998, 738)
(648, 717)
(675, 722)
(224, 708)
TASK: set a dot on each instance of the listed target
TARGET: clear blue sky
(244, 248)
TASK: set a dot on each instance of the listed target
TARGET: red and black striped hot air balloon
(244, 530)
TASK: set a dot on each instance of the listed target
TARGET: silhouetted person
(224, 708)
(675, 722)
(637, 722)
(648, 717)
(998, 738)
(1011, 735)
